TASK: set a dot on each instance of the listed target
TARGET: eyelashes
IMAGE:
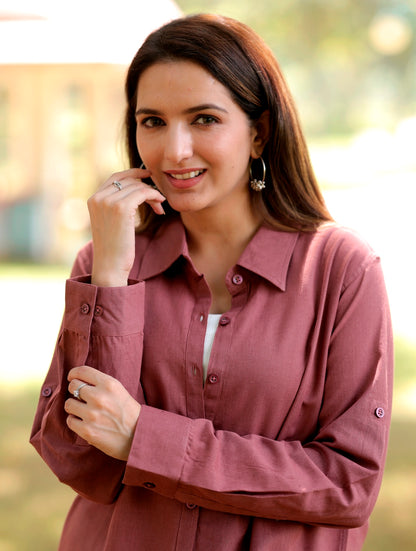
(199, 120)
(206, 120)
(151, 122)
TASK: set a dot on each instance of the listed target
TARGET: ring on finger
(77, 390)
(118, 185)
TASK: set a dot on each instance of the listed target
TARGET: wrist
(103, 278)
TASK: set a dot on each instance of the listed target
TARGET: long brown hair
(240, 60)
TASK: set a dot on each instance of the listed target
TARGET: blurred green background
(351, 66)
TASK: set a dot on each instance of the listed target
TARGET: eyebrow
(189, 111)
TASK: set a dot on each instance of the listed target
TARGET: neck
(222, 231)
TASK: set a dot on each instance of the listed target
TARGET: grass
(33, 504)
(392, 524)
(25, 270)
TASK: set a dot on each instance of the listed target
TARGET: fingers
(131, 187)
(105, 414)
(113, 215)
(86, 374)
(131, 173)
(135, 173)
(83, 382)
(91, 378)
(128, 186)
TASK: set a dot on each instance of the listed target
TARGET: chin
(186, 205)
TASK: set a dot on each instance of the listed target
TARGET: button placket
(194, 341)
(213, 378)
(225, 320)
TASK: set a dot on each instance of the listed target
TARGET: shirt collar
(167, 245)
(268, 254)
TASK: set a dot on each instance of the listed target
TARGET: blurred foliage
(341, 78)
(405, 361)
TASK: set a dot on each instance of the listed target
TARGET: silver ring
(117, 184)
(76, 392)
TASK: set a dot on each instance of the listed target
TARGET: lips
(186, 175)
(186, 178)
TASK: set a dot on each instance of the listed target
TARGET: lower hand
(105, 414)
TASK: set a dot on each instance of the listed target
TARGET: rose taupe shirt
(284, 445)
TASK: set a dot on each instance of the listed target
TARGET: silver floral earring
(258, 185)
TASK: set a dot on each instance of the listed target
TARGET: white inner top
(212, 326)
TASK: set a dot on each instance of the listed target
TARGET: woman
(222, 378)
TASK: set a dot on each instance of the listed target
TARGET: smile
(186, 175)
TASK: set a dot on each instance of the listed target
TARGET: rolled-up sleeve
(102, 328)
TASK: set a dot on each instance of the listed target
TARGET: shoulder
(341, 238)
(338, 249)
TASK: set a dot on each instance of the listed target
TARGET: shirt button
(149, 485)
(46, 391)
(213, 378)
(191, 506)
(225, 320)
(85, 308)
(238, 279)
(98, 311)
(379, 412)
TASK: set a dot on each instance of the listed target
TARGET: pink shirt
(283, 448)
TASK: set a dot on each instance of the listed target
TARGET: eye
(205, 120)
(152, 122)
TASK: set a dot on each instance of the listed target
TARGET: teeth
(187, 175)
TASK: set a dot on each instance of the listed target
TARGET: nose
(178, 145)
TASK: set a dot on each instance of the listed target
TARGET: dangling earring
(255, 184)
(142, 166)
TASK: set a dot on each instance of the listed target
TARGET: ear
(260, 135)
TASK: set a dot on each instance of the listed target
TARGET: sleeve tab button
(379, 412)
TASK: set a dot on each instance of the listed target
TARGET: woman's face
(193, 137)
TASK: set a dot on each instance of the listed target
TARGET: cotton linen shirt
(284, 445)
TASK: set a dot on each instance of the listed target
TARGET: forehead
(185, 79)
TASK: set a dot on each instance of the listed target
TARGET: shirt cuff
(107, 311)
(158, 451)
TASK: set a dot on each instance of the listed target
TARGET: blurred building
(62, 68)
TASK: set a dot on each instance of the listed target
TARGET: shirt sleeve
(102, 328)
(334, 478)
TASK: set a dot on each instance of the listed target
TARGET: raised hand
(113, 214)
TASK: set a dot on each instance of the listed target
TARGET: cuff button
(149, 485)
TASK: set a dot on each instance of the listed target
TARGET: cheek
(148, 150)
(237, 142)
(232, 155)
